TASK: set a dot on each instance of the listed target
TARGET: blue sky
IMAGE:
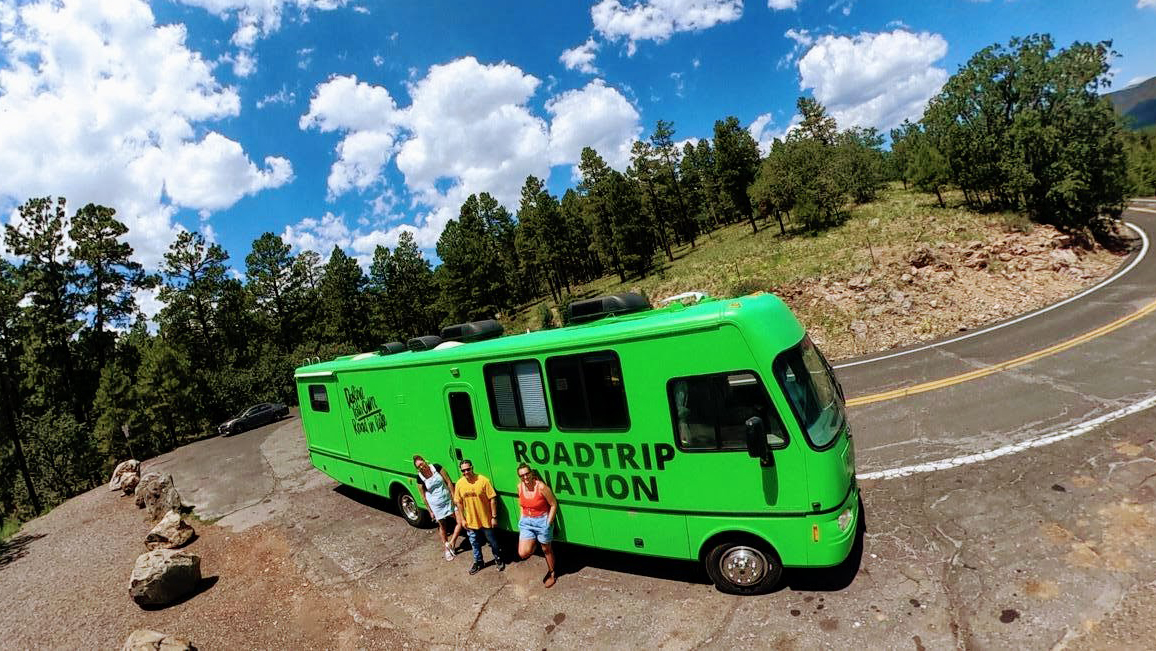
(343, 122)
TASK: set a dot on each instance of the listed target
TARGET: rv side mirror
(757, 441)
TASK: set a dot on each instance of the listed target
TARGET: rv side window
(462, 414)
(517, 398)
(710, 411)
(318, 398)
(587, 392)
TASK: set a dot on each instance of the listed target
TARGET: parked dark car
(255, 416)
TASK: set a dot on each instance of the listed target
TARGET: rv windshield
(814, 394)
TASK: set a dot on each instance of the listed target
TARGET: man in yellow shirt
(477, 504)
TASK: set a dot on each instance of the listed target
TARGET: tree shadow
(16, 547)
(202, 586)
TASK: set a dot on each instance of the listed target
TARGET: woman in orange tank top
(537, 523)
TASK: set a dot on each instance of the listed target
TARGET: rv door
(461, 416)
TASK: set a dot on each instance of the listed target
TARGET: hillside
(1137, 102)
(899, 271)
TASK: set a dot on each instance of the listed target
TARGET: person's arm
(458, 503)
(424, 496)
(446, 477)
(552, 501)
(493, 495)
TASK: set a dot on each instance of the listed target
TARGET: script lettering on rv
(367, 416)
(592, 465)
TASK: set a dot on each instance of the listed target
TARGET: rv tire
(743, 566)
(409, 509)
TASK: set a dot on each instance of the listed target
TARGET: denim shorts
(539, 528)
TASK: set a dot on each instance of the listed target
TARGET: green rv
(714, 431)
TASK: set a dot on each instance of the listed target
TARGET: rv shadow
(830, 579)
(574, 558)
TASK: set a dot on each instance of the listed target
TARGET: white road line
(955, 462)
(1140, 256)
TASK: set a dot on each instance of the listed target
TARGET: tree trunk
(939, 196)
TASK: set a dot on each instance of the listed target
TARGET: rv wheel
(743, 566)
(408, 508)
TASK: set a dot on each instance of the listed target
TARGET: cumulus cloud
(581, 57)
(658, 20)
(469, 129)
(764, 132)
(780, 5)
(1141, 4)
(874, 79)
(320, 235)
(102, 105)
(595, 116)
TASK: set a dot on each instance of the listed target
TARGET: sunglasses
(467, 468)
(524, 475)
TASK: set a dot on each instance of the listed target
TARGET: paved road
(1049, 546)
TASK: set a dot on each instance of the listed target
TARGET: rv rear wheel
(408, 507)
(743, 566)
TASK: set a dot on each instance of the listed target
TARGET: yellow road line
(1003, 366)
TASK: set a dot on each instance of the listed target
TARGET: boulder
(129, 484)
(157, 495)
(171, 532)
(1062, 258)
(122, 470)
(146, 640)
(922, 256)
(163, 576)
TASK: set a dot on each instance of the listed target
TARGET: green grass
(8, 529)
(732, 261)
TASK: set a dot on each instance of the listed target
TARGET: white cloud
(282, 96)
(874, 79)
(259, 18)
(657, 20)
(762, 130)
(581, 57)
(596, 116)
(102, 105)
(320, 235)
(378, 60)
(343, 103)
(213, 173)
(304, 58)
(802, 39)
(468, 130)
(780, 5)
(1141, 4)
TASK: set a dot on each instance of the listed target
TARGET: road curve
(1077, 361)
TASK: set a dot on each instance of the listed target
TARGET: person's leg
(442, 525)
(492, 537)
(457, 534)
(551, 574)
(525, 547)
(476, 544)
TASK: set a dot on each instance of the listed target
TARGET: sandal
(549, 580)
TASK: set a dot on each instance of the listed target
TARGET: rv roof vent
(472, 331)
(596, 308)
(392, 348)
(428, 342)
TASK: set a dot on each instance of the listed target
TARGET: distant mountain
(1137, 102)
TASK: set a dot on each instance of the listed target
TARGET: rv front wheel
(409, 509)
(743, 567)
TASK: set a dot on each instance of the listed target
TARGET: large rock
(157, 495)
(130, 483)
(163, 576)
(171, 532)
(146, 640)
(123, 470)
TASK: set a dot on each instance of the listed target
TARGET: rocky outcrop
(157, 495)
(146, 640)
(123, 470)
(171, 532)
(163, 576)
(128, 486)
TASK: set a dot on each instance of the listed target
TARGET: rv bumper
(833, 534)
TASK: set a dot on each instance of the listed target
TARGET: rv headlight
(845, 519)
